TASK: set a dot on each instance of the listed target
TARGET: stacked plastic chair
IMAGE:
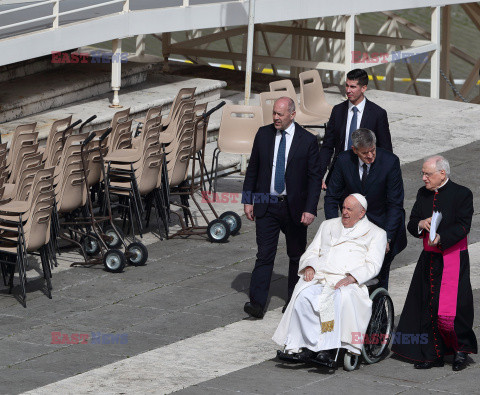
(24, 228)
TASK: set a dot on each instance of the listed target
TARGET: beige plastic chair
(71, 191)
(116, 136)
(186, 107)
(238, 127)
(119, 117)
(27, 163)
(178, 173)
(22, 153)
(23, 134)
(55, 135)
(21, 190)
(285, 88)
(135, 173)
(33, 235)
(153, 112)
(183, 94)
(151, 123)
(312, 96)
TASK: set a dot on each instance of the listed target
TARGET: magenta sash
(451, 271)
(447, 304)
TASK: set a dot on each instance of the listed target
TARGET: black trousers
(268, 227)
(384, 274)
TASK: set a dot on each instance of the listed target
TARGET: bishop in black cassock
(437, 317)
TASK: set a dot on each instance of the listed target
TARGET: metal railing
(56, 15)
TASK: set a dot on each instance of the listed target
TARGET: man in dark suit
(280, 192)
(354, 113)
(374, 173)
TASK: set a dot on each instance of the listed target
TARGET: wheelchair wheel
(350, 361)
(380, 327)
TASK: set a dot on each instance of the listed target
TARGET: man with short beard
(331, 302)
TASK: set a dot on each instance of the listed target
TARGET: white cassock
(334, 252)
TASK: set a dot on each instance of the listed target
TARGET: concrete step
(158, 89)
(55, 88)
(9, 72)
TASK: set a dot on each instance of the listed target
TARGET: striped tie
(353, 127)
(280, 166)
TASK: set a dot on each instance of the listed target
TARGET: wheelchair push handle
(210, 112)
(87, 121)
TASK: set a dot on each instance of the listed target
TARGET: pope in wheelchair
(330, 309)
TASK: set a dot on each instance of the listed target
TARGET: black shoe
(300, 357)
(460, 361)
(438, 363)
(254, 309)
(323, 358)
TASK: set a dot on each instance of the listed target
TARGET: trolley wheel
(350, 361)
(233, 220)
(91, 244)
(218, 231)
(114, 238)
(114, 261)
(139, 254)
(380, 327)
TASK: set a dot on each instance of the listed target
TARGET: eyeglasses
(428, 175)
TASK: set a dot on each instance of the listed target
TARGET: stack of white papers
(436, 218)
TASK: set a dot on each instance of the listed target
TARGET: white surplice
(334, 252)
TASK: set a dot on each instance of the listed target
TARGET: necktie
(353, 126)
(364, 175)
(280, 166)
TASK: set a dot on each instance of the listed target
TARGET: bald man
(280, 193)
(331, 301)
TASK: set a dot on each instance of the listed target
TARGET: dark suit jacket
(302, 174)
(383, 191)
(374, 118)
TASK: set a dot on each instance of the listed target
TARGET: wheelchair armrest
(372, 282)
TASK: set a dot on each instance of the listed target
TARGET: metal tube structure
(116, 71)
(435, 62)
(248, 67)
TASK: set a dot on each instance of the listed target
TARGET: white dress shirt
(360, 167)
(361, 109)
(289, 132)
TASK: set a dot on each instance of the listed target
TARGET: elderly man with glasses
(439, 302)
(376, 174)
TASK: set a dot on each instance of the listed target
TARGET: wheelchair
(377, 336)
(379, 331)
